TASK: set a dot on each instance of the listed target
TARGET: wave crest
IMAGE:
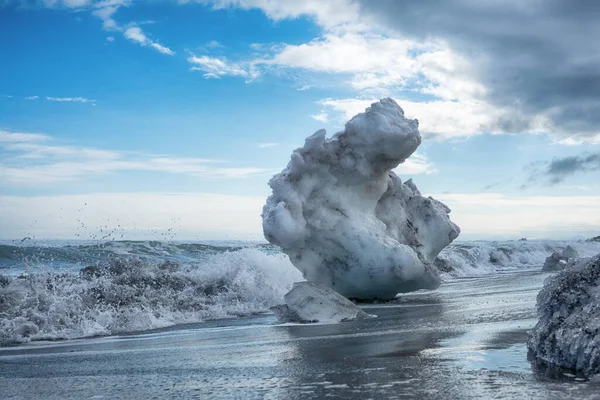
(132, 294)
(481, 257)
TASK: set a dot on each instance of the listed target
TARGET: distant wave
(461, 259)
(74, 255)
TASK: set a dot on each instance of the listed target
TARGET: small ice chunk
(567, 334)
(311, 302)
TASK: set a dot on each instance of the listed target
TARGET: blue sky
(172, 116)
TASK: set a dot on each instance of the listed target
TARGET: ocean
(151, 319)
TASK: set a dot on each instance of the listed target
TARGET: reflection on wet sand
(463, 341)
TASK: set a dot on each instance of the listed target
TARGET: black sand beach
(463, 341)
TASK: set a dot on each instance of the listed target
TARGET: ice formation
(347, 221)
(311, 302)
(568, 332)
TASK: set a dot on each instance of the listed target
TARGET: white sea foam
(145, 290)
(125, 295)
(461, 259)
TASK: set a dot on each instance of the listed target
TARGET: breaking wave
(463, 259)
(57, 291)
(129, 294)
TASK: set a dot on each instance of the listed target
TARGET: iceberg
(567, 334)
(347, 221)
(311, 302)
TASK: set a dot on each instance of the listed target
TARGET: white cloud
(135, 34)
(267, 145)
(106, 15)
(438, 117)
(26, 162)
(72, 4)
(355, 52)
(321, 116)
(71, 100)
(213, 44)
(106, 9)
(110, 39)
(216, 216)
(134, 215)
(374, 60)
(18, 137)
(329, 14)
(32, 97)
(215, 68)
(417, 164)
(576, 141)
(493, 215)
(76, 3)
(162, 49)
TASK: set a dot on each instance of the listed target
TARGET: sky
(166, 119)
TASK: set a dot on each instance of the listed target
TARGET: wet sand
(465, 340)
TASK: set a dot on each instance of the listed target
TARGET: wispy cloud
(559, 169)
(416, 164)
(135, 34)
(191, 216)
(105, 11)
(213, 44)
(321, 116)
(495, 215)
(34, 159)
(215, 68)
(71, 100)
(7, 137)
(32, 97)
(267, 145)
(162, 49)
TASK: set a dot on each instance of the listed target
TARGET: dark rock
(555, 262)
(569, 253)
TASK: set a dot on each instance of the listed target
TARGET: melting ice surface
(347, 221)
(311, 302)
